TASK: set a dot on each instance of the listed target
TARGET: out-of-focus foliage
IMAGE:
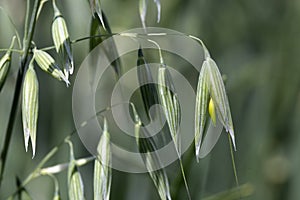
(255, 43)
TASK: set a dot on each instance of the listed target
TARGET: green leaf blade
(100, 32)
(147, 87)
(147, 149)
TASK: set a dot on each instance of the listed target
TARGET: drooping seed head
(62, 41)
(47, 63)
(211, 98)
(30, 103)
(219, 97)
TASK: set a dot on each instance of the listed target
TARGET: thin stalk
(233, 162)
(17, 90)
(79, 40)
(178, 180)
(26, 21)
(12, 50)
(41, 7)
(94, 36)
(184, 180)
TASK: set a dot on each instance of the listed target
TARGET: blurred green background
(256, 45)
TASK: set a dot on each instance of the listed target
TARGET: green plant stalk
(179, 181)
(18, 86)
(233, 162)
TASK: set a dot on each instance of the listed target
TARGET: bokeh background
(256, 45)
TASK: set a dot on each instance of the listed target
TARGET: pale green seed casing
(202, 97)
(47, 63)
(30, 104)
(147, 149)
(5, 63)
(170, 104)
(102, 169)
(62, 41)
(219, 97)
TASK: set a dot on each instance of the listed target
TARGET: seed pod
(102, 169)
(202, 98)
(148, 151)
(47, 63)
(30, 103)
(96, 10)
(219, 96)
(4, 68)
(62, 41)
(169, 101)
(5, 63)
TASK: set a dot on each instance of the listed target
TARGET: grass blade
(100, 32)
(147, 149)
(97, 11)
(102, 169)
(147, 87)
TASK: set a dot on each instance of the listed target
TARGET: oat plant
(57, 61)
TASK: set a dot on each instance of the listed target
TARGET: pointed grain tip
(231, 133)
(26, 138)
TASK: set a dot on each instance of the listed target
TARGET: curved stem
(17, 91)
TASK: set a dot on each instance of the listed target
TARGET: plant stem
(233, 162)
(179, 181)
(17, 91)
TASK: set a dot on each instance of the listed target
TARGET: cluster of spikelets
(211, 100)
(46, 62)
